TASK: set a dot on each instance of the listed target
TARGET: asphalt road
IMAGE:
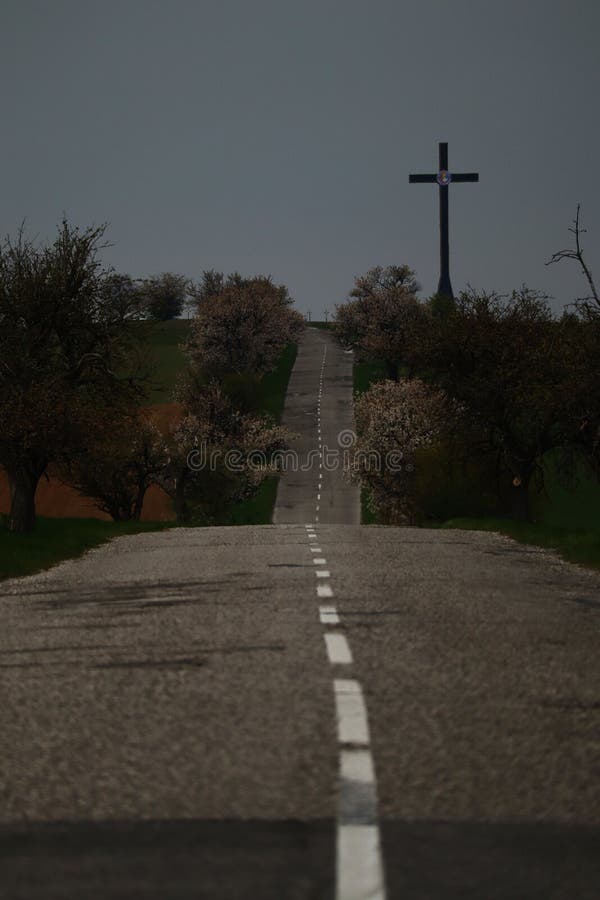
(319, 411)
(171, 723)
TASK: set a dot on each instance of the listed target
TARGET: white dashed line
(338, 649)
(359, 868)
(358, 790)
(351, 712)
(329, 615)
(358, 864)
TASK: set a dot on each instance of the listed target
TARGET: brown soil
(57, 500)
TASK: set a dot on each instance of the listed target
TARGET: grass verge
(57, 539)
(164, 341)
(258, 510)
(364, 374)
(576, 546)
(273, 387)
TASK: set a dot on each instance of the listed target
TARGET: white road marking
(329, 615)
(351, 712)
(357, 798)
(359, 868)
(338, 649)
(318, 496)
(323, 573)
(320, 561)
(315, 550)
(323, 590)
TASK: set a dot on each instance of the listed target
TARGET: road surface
(204, 713)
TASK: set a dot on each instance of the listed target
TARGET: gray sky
(277, 137)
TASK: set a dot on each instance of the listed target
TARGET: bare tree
(591, 303)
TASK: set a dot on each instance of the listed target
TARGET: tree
(121, 292)
(242, 325)
(64, 353)
(590, 304)
(218, 455)
(524, 378)
(378, 319)
(394, 421)
(164, 295)
(123, 459)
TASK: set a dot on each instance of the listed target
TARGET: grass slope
(258, 510)
(164, 342)
(578, 546)
(58, 539)
(364, 374)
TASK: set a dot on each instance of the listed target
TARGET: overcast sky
(277, 137)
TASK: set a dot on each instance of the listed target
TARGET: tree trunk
(182, 512)
(521, 507)
(22, 485)
(139, 502)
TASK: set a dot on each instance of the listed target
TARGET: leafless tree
(591, 303)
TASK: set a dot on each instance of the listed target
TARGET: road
(203, 713)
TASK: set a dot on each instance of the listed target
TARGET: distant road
(204, 713)
(319, 410)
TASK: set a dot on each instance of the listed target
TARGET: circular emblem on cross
(443, 178)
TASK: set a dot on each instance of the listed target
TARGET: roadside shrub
(394, 421)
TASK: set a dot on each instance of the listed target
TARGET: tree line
(478, 390)
(74, 373)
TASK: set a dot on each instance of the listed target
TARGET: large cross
(443, 178)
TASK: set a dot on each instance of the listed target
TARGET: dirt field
(58, 500)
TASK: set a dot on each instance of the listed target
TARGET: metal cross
(443, 177)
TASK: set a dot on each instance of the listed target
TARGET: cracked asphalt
(167, 720)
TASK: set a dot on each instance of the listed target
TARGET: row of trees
(480, 390)
(73, 374)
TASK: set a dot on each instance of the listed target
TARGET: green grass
(273, 387)
(164, 340)
(578, 546)
(365, 373)
(56, 539)
(566, 516)
(568, 505)
(257, 510)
